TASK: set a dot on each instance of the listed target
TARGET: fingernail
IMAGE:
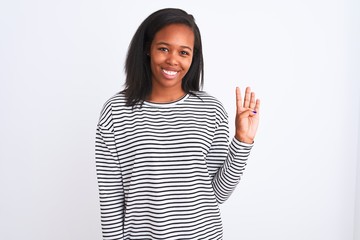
(254, 112)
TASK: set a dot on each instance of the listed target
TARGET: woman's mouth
(169, 74)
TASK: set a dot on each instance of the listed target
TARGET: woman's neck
(165, 96)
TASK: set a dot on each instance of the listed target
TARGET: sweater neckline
(167, 104)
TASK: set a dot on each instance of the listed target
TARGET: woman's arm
(228, 162)
(110, 182)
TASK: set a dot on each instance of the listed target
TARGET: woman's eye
(184, 53)
(163, 49)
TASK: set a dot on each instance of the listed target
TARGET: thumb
(247, 113)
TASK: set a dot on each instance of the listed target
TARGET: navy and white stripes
(164, 168)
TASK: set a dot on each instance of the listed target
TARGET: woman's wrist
(244, 139)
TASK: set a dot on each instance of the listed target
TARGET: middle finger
(247, 97)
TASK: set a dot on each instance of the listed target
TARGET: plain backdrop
(61, 60)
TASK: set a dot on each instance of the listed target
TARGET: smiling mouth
(171, 73)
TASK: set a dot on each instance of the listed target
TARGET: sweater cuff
(238, 146)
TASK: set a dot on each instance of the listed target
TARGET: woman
(163, 157)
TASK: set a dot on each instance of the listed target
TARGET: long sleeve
(110, 181)
(159, 166)
(227, 162)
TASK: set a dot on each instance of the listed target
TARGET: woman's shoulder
(206, 98)
(116, 100)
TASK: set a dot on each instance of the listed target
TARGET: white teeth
(169, 72)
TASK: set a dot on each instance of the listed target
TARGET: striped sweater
(163, 169)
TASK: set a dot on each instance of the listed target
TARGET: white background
(61, 60)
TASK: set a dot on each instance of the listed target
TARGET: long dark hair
(137, 66)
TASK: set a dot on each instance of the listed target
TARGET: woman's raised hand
(247, 116)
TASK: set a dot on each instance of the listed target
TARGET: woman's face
(171, 54)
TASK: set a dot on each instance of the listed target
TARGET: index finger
(238, 100)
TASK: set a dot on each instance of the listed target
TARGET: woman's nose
(172, 59)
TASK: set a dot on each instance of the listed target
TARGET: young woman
(163, 157)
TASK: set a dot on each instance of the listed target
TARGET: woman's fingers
(247, 97)
(257, 106)
(238, 100)
(250, 101)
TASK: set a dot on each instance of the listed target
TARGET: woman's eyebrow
(167, 44)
